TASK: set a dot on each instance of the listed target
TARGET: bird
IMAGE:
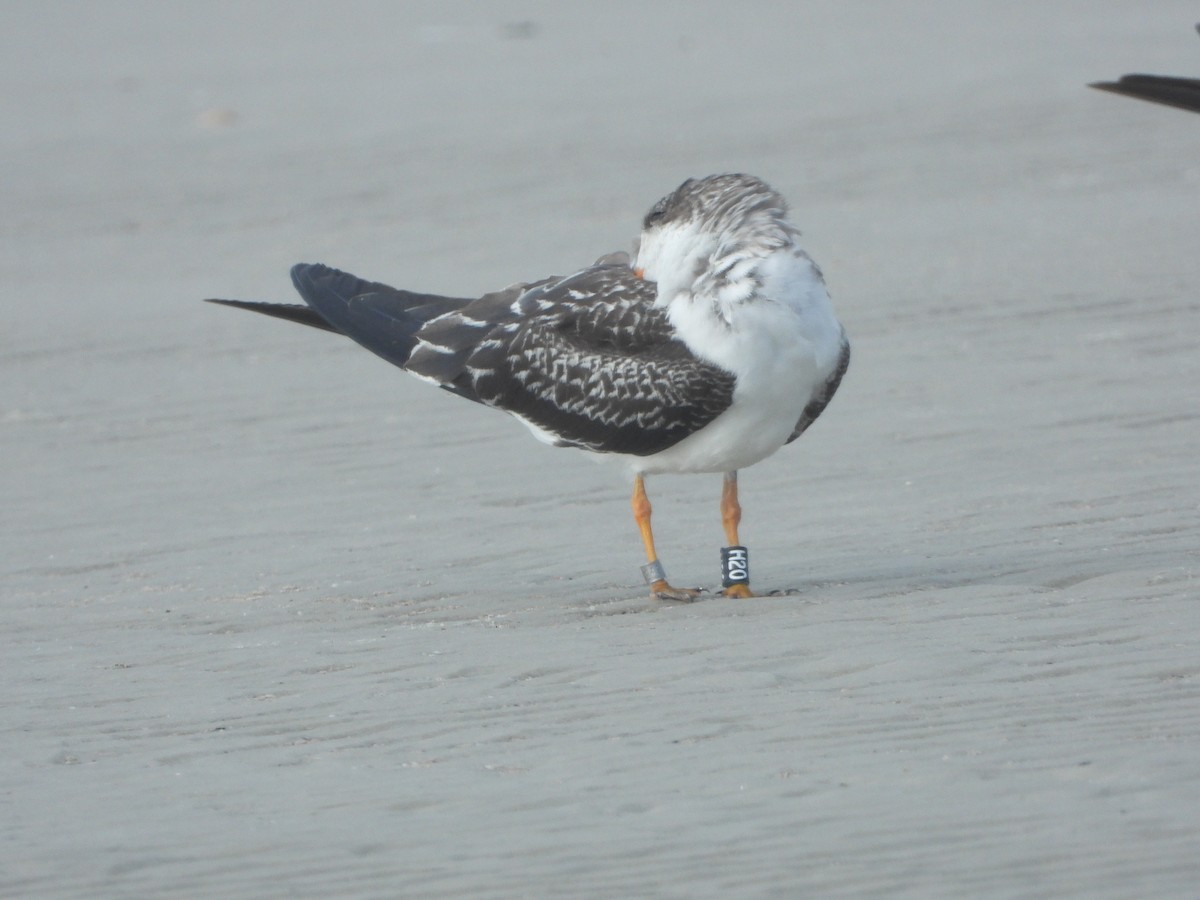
(1182, 93)
(706, 352)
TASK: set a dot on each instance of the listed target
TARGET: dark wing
(293, 312)
(825, 393)
(586, 358)
(1183, 93)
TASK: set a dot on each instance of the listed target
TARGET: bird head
(709, 236)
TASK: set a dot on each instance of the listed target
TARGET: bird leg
(653, 570)
(735, 562)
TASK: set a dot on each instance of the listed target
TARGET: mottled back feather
(585, 358)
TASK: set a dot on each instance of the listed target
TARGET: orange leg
(659, 587)
(731, 515)
(731, 510)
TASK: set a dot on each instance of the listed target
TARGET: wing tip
(302, 315)
(303, 274)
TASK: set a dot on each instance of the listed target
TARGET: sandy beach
(281, 621)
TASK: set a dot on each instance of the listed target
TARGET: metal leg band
(654, 571)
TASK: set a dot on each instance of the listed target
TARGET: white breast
(781, 344)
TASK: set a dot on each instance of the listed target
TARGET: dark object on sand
(1183, 93)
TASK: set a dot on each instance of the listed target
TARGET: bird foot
(661, 590)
